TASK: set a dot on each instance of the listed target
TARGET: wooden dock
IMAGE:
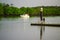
(51, 25)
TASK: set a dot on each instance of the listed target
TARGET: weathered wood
(51, 25)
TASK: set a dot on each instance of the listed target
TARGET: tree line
(9, 10)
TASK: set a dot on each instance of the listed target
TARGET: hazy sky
(32, 3)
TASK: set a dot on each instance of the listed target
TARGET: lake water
(20, 29)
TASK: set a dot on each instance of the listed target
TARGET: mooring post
(42, 21)
(41, 14)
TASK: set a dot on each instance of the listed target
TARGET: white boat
(25, 16)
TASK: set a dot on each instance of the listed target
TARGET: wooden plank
(51, 25)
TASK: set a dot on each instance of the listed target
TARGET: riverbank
(20, 17)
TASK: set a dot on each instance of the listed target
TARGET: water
(20, 29)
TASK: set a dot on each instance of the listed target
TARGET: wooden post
(41, 18)
(41, 14)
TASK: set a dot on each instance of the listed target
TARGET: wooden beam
(51, 25)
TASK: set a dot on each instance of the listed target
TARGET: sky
(32, 3)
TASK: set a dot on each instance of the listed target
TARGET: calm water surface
(20, 29)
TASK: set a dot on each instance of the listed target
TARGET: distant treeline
(10, 10)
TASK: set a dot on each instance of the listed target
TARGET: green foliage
(52, 11)
(22, 10)
(7, 10)
(1, 9)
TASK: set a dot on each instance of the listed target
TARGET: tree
(1, 9)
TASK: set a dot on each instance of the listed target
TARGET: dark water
(20, 29)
